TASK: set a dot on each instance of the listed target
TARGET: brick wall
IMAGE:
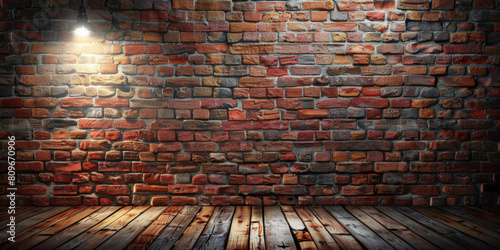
(355, 102)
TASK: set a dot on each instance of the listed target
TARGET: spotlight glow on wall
(82, 28)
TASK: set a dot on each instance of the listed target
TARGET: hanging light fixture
(82, 28)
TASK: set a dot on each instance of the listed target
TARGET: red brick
(112, 189)
(484, 4)
(153, 16)
(102, 49)
(114, 167)
(185, 189)
(31, 190)
(358, 190)
(404, 146)
(135, 49)
(340, 26)
(129, 124)
(383, 167)
(356, 145)
(165, 147)
(199, 147)
(369, 102)
(50, 48)
(213, 48)
(58, 145)
(462, 49)
(166, 125)
(75, 102)
(459, 189)
(270, 6)
(63, 167)
(333, 103)
(95, 145)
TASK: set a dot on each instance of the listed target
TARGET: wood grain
(257, 238)
(215, 234)
(319, 234)
(174, 230)
(256, 227)
(126, 235)
(278, 234)
(146, 237)
(78, 228)
(240, 228)
(361, 232)
(299, 230)
(194, 230)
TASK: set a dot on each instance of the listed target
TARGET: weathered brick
(58, 145)
(358, 145)
(209, 5)
(462, 49)
(459, 189)
(369, 102)
(50, 48)
(383, 167)
(185, 189)
(165, 147)
(63, 166)
(254, 83)
(95, 145)
(112, 189)
(107, 80)
(141, 188)
(131, 146)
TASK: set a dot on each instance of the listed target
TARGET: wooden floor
(246, 227)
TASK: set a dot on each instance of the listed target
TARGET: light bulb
(82, 32)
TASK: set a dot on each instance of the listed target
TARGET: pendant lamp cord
(82, 16)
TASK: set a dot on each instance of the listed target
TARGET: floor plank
(343, 238)
(44, 224)
(31, 214)
(330, 223)
(256, 227)
(462, 240)
(107, 232)
(387, 221)
(424, 232)
(404, 233)
(348, 242)
(362, 233)
(257, 238)
(36, 219)
(493, 209)
(278, 235)
(486, 223)
(77, 228)
(174, 230)
(479, 224)
(193, 232)
(28, 213)
(378, 228)
(83, 237)
(57, 227)
(126, 234)
(146, 237)
(30, 240)
(300, 233)
(319, 234)
(215, 234)
(240, 228)
(19, 210)
(460, 227)
(481, 214)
